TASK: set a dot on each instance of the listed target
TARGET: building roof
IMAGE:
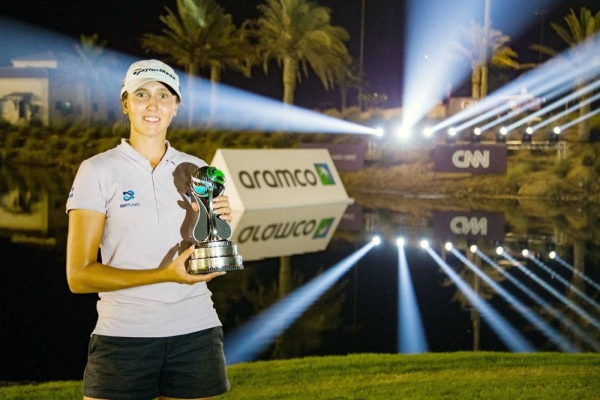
(40, 60)
(10, 72)
(46, 56)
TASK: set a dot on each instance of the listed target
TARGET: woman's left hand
(221, 208)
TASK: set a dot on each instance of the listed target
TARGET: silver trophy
(214, 251)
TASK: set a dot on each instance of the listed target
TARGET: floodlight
(527, 135)
(476, 135)
(451, 136)
(501, 135)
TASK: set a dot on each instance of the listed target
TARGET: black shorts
(185, 366)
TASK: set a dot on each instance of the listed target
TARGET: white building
(36, 89)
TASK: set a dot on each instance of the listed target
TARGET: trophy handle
(208, 225)
(200, 232)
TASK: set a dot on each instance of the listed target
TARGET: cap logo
(143, 70)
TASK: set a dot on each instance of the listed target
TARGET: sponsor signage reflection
(280, 232)
(471, 225)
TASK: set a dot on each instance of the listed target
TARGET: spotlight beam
(554, 292)
(556, 104)
(525, 107)
(565, 283)
(505, 331)
(543, 303)
(539, 323)
(250, 340)
(567, 111)
(411, 336)
(578, 273)
(537, 82)
(578, 120)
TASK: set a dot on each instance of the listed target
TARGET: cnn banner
(473, 158)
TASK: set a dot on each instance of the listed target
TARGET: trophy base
(215, 256)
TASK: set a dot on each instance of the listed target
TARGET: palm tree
(351, 78)
(473, 48)
(201, 35)
(90, 68)
(578, 34)
(298, 34)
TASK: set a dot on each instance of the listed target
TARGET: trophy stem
(211, 215)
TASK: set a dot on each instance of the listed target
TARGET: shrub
(562, 167)
(588, 160)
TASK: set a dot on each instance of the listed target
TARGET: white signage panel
(277, 232)
(270, 178)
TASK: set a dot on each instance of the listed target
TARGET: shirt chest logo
(129, 195)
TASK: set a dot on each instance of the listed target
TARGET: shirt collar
(129, 151)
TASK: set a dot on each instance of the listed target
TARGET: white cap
(142, 72)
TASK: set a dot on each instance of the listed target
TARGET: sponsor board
(277, 232)
(265, 179)
(346, 157)
(477, 159)
(455, 224)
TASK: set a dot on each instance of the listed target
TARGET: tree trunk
(476, 82)
(583, 128)
(285, 276)
(343, 96)
(215, 78)
(192, 72)
(290, 72)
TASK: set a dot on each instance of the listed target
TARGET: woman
(157, 334)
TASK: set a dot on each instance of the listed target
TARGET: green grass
(463, 375)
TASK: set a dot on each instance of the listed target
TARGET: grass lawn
(463, 375)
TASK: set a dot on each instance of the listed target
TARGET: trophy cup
(214, 251)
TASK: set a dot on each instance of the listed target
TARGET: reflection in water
(247, 343)
(50, 326)
(531, 317)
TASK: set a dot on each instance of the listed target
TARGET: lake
(543, 301)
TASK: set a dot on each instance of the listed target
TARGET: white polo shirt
(149, 220)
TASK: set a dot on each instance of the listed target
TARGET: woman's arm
(86, 275)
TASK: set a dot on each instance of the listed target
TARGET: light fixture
(501, 135)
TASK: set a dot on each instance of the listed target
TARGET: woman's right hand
(177, 271)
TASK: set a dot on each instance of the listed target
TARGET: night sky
(123, 22)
